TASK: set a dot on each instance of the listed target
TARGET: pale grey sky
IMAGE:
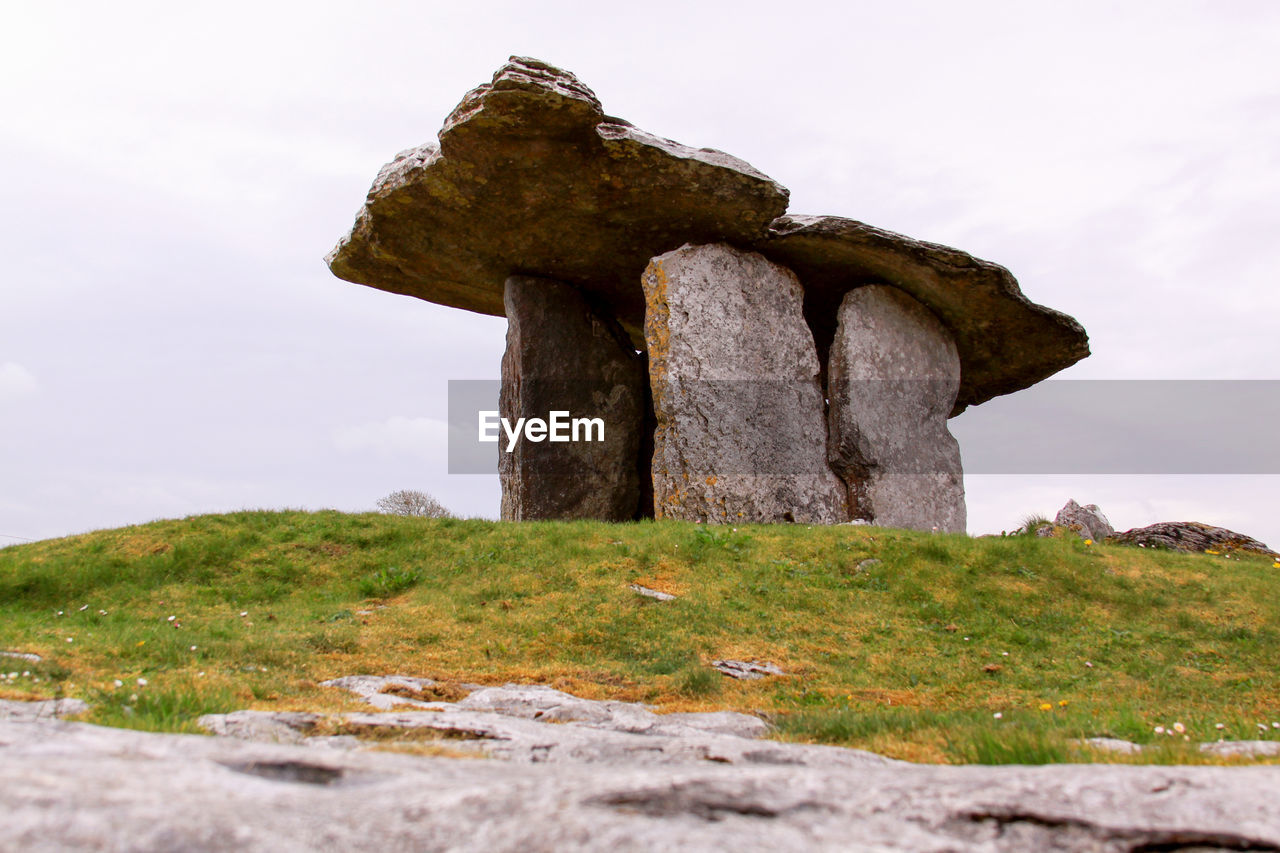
(171, 342)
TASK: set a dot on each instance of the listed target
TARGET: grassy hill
(905, 643)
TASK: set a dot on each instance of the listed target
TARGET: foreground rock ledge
(72, 786)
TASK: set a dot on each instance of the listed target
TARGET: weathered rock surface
(657, 594)
(27, 656)
(267, 726)
(386, 692)
(748, 670)
(892, 381)
(71, 786)
(1086, 520)
(1005, 341)
(46, 710)
(563, 356)
(734, 375)
(1242, 748)
(1190, 536)
(532, 178)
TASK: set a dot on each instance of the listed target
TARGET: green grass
(912, 656)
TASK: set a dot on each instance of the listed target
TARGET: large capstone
(530, 177)
(734, 374)
(564, 356)
(892, 380)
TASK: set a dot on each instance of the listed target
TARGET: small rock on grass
(651, 593)
(29, 711)
(28, 656)
(748, 670)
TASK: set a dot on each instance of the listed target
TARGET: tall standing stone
(734, 374)
(892, 380)
(564, 356)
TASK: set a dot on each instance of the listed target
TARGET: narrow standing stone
(733, 370)
(892, 380)
(564, 356)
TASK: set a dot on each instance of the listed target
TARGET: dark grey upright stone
(564, 356)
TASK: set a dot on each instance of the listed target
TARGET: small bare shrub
(414, 503)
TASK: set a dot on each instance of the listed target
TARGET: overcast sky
(172, 174)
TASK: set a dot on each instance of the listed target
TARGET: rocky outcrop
(1088, 521)
(563, 356)
(530, 177)
(72, 786)
(740, 430)
(892, 380)
(1191, 536)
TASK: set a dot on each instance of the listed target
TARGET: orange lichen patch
(142, 545)
(427, 693)
(329, 549)
(664, 582)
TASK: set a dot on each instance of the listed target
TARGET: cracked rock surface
(73, 786)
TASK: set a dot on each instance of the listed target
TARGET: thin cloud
(16, 381)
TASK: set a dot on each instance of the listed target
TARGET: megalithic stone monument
(536, 201)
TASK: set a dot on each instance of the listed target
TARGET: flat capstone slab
(530, 177)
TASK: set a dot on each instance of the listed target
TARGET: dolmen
(747, 365)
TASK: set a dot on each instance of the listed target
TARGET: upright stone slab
(733, 371)
(564, 356)
(892, 380)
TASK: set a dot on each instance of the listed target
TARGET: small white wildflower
(142, 682)
(1179, 728)
(998, 715)
(1275, 725)
(193, 648)
(244, 613)
(71, 639)
(26, 673)
(966, 639)
(1089, 664)
(59, 612)
(1004, 654)
(133, 697)
(1159, 730)
(1262, 726)
(102, 613)
(171, 618)
(118, 683)
(199, 675)
(12, 675)
(83, 609)
(1220, 726)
